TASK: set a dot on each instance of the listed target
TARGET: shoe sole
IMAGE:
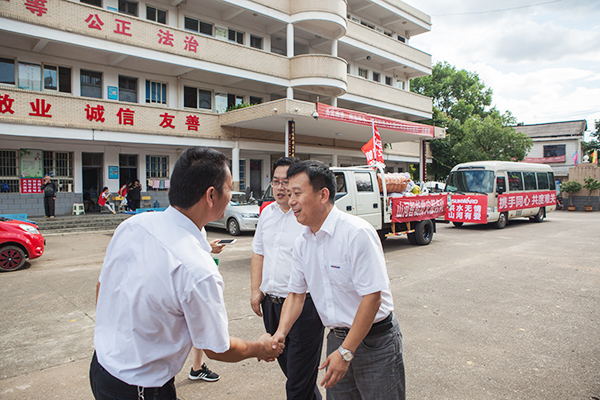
(198, 378)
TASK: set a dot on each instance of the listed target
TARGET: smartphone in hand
(227, 241)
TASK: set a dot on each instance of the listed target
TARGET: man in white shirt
(270, 274)
(161, 292)
(339, 259)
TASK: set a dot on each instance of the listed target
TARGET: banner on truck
(467, 208)
(417, 208)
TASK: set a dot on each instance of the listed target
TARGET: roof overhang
(321, 120)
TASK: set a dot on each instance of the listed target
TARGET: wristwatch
(346, 354)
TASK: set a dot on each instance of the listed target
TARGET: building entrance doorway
(128, 168)
(92, 165)
(255, 178)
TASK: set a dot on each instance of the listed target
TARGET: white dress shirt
(339, 265)
(160, 291)
(274, 239)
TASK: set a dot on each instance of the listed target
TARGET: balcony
(65, 111)
(370, 38)
(323, 18)
(380, 93)
(319, 73)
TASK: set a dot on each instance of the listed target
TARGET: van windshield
(481, 181)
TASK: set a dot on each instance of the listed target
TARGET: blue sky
(540, 57)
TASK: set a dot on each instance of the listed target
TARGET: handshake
(270, 349)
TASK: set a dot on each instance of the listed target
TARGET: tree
(594, 144)
(474, 130)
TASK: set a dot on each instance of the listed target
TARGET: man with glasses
(274, 239)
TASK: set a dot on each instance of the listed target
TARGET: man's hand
(216, 248)
(336, 369)
(278, 338)
(256, 299)
(269, 352)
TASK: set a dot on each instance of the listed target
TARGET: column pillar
(334, 47)
(290, 40)
(290, 93)
(334, 160)
(235, 166)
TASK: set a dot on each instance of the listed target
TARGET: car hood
(244, 208)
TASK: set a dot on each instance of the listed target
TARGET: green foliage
(474, 131)
(238, 106)
(570, 187)
(594, 144)
(590, 184)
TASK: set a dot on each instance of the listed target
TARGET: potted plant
(591, 184)
(570, 187)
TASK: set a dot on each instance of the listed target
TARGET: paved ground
(486, 314)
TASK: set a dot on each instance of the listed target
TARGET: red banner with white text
(417, 208)
(467, 208)
(517, 201)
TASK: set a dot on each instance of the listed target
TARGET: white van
(513, 189)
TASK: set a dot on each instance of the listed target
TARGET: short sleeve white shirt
(274, 239)
(339, 265)
(160, 292)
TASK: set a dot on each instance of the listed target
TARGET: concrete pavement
(485, 313)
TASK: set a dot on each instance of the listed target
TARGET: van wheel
(539, 217)
(502, 221)
(411, 238)
(457, 224)
(423, 232)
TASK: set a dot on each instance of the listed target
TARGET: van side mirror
(500, 185)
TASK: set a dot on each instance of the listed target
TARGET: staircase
(79, 223)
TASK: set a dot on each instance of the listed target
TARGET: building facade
(557, 144)
(101, 92)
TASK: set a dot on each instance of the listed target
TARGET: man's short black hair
(319, 176)
(284, 161)
(197, 169)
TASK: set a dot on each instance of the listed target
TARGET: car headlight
(29, 228)
(249, 215)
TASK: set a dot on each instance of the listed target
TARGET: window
(542, 181)
(234, 100)
(402, 39)
(128, 7)
(376, 76)
(340, 185)
(97, 3)
(363, 182)
(127, 89)
(242, 173)
(156, 92)
(256, 42)
(555, 150)
(57, 78)
(9, 171)
(197, 98)
(157, 170)
(7, 71)
(367, 24)
(195, 25)
(30, 76)
(91, 84)
(156, 15)
(256, 100)
(363, 72)
(515, 181)
(400, 85)
(236, 36)
(221, 33)
(389, 81)
(59, 164)
(529, 179)
(551, 181)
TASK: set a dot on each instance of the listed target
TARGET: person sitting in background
(104, 198)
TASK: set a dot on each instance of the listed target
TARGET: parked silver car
(241, 215)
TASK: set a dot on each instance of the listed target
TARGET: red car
(19, 240)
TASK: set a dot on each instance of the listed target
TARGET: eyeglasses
(280, 183)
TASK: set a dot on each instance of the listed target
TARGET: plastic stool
(78, 209)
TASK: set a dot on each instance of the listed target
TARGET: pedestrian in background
(49, 189)
(133, 195)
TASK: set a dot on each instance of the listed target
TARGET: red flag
(369, 152)
(378, 148)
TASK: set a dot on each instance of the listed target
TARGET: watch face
(347, 356)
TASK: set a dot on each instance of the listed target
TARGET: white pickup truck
(358, 193)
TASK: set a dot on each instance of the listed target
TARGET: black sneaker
(203, 373)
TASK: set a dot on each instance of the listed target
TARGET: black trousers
(134, 204)
(302, 354)
(49, 204)
(107, 387)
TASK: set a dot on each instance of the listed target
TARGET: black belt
(379, 327)
(279, 300)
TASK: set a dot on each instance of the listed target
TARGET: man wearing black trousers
(270, 272)
(49, 189)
